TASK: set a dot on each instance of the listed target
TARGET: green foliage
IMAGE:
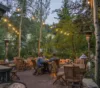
(73, 17)
(2, 43)
(75, 44)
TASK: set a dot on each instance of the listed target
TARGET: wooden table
(5, 74)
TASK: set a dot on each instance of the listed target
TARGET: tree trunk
(40, 34)
(73, 47)
(97, 36)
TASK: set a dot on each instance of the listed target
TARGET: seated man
(39, 63)
(53, 58)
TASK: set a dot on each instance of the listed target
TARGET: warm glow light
(17, 32)
(18, 9)
(61, 32)
(56, 29)
(9, 25)
(88, 2)
(43, 23)
(51, 27)
(13, 29)
(65, 33)
(68, 34)
(33, 17)
(5, 20)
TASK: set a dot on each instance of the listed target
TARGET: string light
(13, 29)
(51, 27)
(18, 9)
(9, 25)
(56, 30)
(65, 33)
(43, 23)
(5, 20)
(68, 34)
(16, 31)
(33, 17)
(61, 32)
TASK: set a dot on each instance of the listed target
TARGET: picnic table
(4, 74)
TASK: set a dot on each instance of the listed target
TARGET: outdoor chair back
(73, 75)
(34, 64)
(20, 65)
(68, 61)
(29, 63)
(68, 70)
(2, 62)
(79, 61)
(76, 71)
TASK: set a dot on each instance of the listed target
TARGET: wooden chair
(81, 64)
(68, 61)
(34, 64)
(29, 63)
(79, 61)
(73, 76)
(20, 65)
(57, 63)
(2, 62)
(14, 75)
(60, 75)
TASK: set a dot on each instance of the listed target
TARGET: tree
(68, 37)
(97, 36)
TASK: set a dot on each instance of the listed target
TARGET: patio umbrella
(83, 56)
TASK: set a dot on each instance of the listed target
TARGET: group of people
(45, 66)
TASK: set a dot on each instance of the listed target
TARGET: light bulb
(9, 25)
(13, 29)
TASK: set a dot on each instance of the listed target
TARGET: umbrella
(83, 56)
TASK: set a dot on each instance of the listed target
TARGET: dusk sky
(55, 4)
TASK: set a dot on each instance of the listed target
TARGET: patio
(41, 81)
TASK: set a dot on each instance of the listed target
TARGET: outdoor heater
(88, 36)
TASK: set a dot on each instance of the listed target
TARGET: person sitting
(6, 60)
(53, 58)
(39, 63)
(54, 69)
